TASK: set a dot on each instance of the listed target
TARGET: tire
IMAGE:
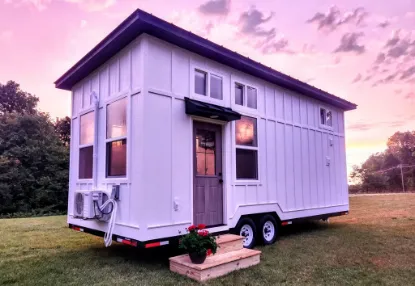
(246, 228)
(268, 229)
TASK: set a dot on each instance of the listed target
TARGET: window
(205, 152)
(246, 148)
(326, 118)
(86, 145)
(117, 138)
(245, 95)
(208, 84)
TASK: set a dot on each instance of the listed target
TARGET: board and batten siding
(120, 77)
(293, 149)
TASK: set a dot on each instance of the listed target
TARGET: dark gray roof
(141, 22)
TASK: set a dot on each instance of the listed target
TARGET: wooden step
(229, 242)
(215, 265)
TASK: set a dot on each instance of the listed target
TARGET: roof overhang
(141, 22)
(208, 110)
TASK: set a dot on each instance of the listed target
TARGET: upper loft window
(326, 118)
(245, 95)
(208, 84)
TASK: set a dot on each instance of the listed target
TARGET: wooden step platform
(230, 256)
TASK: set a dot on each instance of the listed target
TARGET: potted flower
(198, 242)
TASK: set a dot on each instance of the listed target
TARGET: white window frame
(245, 106)
(119, 138)
(255, 148)
(324, 125)
(207, 97)
(81, 146)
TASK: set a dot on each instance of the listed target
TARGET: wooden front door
(208, 184)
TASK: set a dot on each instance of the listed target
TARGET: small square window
(329, 119)
(326, 117)
(216, 87)
(200, 82)
(239, 94)
(251, 97)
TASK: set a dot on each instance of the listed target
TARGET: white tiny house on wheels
(170, 129)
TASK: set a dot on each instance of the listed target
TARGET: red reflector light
(77, 228)
(284, 223)
(154, 244)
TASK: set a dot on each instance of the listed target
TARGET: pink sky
(363, 51)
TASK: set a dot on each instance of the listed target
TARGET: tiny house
(170, 129)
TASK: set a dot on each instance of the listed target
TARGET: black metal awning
(208, 110)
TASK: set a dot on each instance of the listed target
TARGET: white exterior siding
(157, 195)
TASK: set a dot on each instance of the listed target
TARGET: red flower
(201, 226)
(203, 233)
(190, 228)
(209, 252)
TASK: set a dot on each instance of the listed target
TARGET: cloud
(384, 24)
(360, 126)
(250, 22)
(88, 5)
(410, 96)
(406, 74)
(349, 43)
(215, 7)
(277, 46)
(333, 18)
(357, 78)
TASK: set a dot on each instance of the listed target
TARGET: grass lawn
(374, 244)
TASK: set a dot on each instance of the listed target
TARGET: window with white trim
(86, 145)
(116, 138)
(326, 117)
(208, 84)
(246, 148)
(246, 95)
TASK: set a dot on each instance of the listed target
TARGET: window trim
(324, 125)
(207, 97)
(118, 138)
(81, 146)
(254, 148)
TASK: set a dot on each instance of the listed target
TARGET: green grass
(374, 244)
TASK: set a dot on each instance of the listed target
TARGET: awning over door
(208, 110)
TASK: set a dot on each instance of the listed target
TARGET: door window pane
(252, 97)
(86, 162)
(200, 82)
(215, 87)
(239, 94)
(245, 131)
(205, 153)
(117, 119)
(117, 158)
(87, 129)
(246, 164)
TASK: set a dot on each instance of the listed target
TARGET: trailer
(170, 129)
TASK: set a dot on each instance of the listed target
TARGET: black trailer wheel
(246, 228)
(268, 228)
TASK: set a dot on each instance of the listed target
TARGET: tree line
(34, 156)
(382, 171)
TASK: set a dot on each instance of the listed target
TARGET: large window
(246, 148)
(208, 84)
(245, 95)
(117, 138)
(86, 145)
(326, 118)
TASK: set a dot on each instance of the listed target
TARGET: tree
(63, 129)
(13, 99)
(33, 164)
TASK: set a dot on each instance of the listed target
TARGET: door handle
(220, 181)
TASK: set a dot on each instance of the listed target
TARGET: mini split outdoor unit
(86, 204)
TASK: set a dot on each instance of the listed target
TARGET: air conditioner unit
(86, 204)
